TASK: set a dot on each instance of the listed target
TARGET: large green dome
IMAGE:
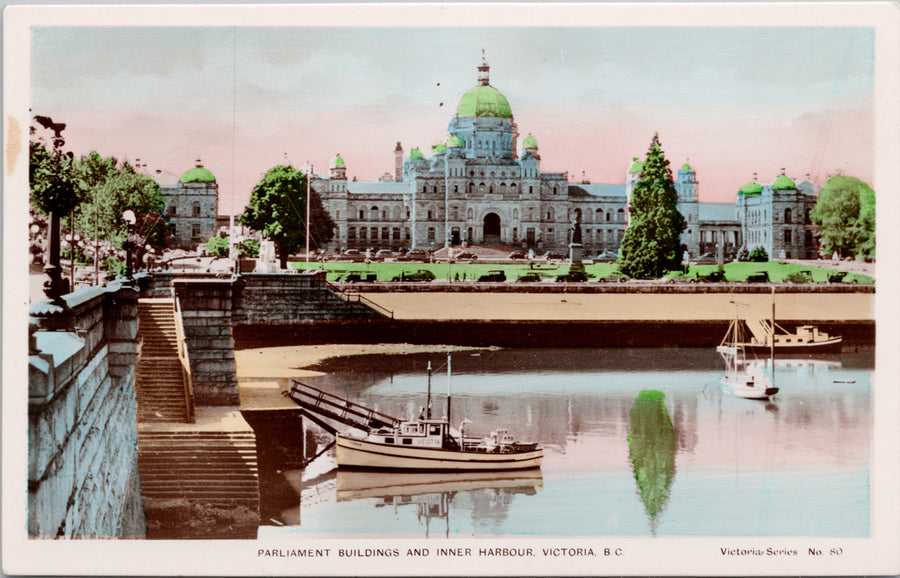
(484, 100)
(198, 175)
(783, 183)
(751, 189)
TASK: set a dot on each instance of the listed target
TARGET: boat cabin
(419, 433)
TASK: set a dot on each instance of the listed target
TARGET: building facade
(192, 204)
(476, 187)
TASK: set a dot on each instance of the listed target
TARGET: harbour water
(690, 460)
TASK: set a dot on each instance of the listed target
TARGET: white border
(875, 555)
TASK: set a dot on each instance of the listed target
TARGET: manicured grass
(777, 271)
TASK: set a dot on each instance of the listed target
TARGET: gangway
(317, 404)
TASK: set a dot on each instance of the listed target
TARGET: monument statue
(576, 231)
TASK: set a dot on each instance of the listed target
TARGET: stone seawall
(515, 333)
(82, 458)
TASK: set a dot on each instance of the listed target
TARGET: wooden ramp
(319, 405)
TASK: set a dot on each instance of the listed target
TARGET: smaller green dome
(783, 183)
(415, 153)
(751, 189)
(438, 148)
(198, 175)
(337, 161)
(686, 167)
(530, 143)
(453, 142)
(636, 166)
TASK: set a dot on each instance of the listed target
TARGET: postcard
(450, 289)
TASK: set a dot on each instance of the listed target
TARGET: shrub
(80, 257)
(248, 248)
(217, 246)
(758, 255)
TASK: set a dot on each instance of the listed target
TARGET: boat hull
(815, 348)
(363, 454)
(739, 389)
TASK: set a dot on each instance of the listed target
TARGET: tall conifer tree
(652, 243)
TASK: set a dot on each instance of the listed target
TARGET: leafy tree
(55, 186)
(277, 209)
(845, 215)
(652, 242)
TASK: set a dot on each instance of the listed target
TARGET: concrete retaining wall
(82, 433)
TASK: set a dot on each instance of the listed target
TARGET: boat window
(435, 430)
(407, 441)
(388, 440)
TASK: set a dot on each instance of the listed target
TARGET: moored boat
(743, 377)
(804, 340)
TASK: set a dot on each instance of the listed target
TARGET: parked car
(420, 275)
(353, 255)
(760, 277)
(804, 276)
(529, 278)
(495, 276)
(516, 255)
(382, 254)
(413, 256)
(572, 277)
(713, 276)
(605, 257)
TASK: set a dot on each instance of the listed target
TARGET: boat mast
(448, 391)
(428, 402)
(772, 343)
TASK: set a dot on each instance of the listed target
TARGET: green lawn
(387, 271)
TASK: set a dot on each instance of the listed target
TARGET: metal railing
(353, 295)
(184, 358)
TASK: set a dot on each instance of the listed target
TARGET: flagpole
(308, 189)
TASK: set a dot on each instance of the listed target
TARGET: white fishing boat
(378, 441)
(744, 376)
(804, 340)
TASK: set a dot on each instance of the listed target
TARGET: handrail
(354, 295)
(184, 358)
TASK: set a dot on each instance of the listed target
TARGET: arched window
(429, 214)
(608, 216)
(491, 189)
(362, 214)
(554, 190)
(578, 214)
(384, 215)
(407, 212)
(481, 187)
(470, 214)
(195, 209)
(787, 215)
(502, 188)
(620, 216)
(373, 214)
(471, 187)
(599, 215)
(550, 214)
(515, 214)
(434, 189)
(512, 188)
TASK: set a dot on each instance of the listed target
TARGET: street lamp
(130, 219)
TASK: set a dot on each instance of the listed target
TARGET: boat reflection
(432, 493)
(651, 443)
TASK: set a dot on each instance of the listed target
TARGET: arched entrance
(491, 228)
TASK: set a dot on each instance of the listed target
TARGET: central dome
(484, 100)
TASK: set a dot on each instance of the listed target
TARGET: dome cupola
(198, 174)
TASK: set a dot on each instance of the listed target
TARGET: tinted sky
(732, 101)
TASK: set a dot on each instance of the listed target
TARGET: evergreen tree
(652, 243)
(277, 209)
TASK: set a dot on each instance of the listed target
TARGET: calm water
(695, 462)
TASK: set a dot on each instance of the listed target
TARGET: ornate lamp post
(130, 219)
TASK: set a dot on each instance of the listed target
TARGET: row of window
(172, 209)
(376, 214)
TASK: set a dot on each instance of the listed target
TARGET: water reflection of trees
(651, 444)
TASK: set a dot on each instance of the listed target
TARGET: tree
(845, 215)
(277, 209)
(651, 245)
(217, 246)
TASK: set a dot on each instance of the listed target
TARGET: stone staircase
(199, 484)
(198, 466)
(159, 383)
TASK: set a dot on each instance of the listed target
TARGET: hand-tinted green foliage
(277, 209)
(757, 255)
(651, 443)
(217, 246)
(652, 243)
(114, 266)
(845, 214)
(55, 187)
(248, 248)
